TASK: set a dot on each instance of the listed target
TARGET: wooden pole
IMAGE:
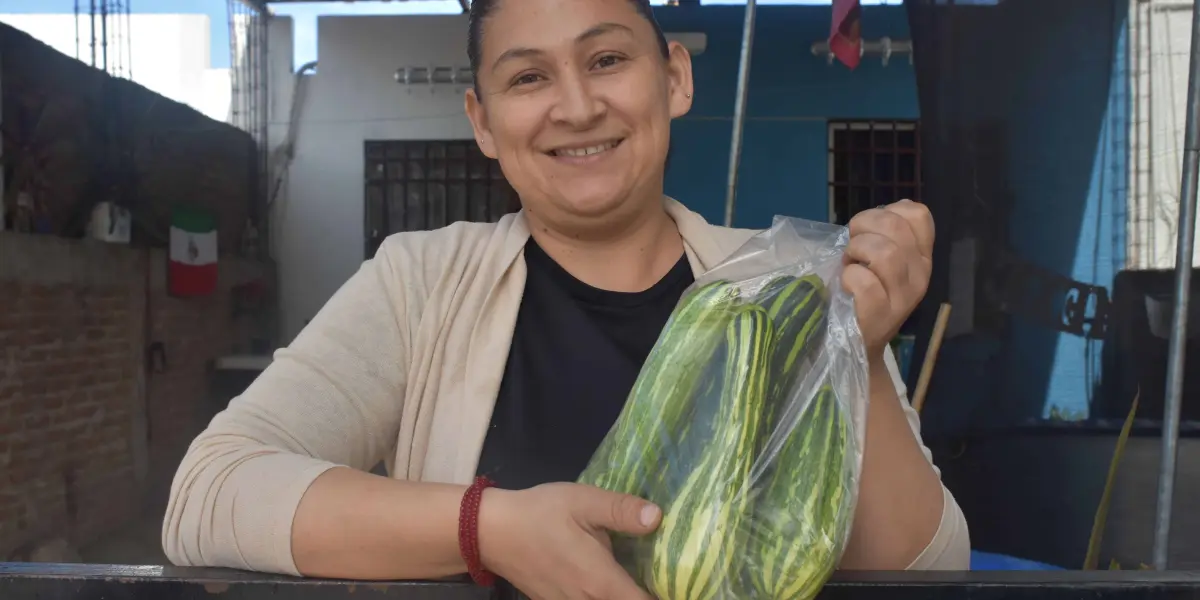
(935, 345)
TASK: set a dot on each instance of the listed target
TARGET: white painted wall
(169, 54)
(318, 217)
(1161, 46)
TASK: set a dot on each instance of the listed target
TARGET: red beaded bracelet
(468, 532)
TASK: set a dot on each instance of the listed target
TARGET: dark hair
(481, 9)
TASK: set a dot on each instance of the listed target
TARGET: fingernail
(649, 515)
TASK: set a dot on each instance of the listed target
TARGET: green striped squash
(709, 396)
(695, 434)
(799, 306)
(702, 531)
(631, 457)
(801, 511)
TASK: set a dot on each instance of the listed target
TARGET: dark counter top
(116, 582)
(1092, 427)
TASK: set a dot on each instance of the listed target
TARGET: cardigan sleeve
(950, 548)
(333, 397)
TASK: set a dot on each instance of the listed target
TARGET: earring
(688, 95)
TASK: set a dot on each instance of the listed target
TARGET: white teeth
(585, 151)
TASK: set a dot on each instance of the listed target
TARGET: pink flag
(845, 35)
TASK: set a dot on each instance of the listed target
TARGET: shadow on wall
(1025, 144)
(82, 137)
(1068, 177)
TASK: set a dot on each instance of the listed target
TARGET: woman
(508, 349)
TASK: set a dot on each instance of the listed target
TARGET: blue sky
(304, 13)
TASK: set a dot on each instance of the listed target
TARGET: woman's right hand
(552, 541)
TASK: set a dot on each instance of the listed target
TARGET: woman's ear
(479, 123)
(679, 79)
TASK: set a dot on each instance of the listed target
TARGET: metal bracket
(885, 47)
(1020, 288)
(432, 75)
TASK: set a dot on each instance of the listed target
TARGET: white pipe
(739, 111)
(1176, 352)
(885, 47)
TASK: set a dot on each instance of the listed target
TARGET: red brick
(67, 396)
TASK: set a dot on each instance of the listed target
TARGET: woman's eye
(607, 61)
(526, 79)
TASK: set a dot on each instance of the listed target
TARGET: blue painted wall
(792, 95)
(1063, 111)
(1070, 117)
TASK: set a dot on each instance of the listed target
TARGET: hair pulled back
(482, 9)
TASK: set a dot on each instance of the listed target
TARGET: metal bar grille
(872, 163)
(249, 94)
(423, 185)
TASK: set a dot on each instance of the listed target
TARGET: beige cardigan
(402, 364)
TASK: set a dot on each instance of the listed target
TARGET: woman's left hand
(889, 261)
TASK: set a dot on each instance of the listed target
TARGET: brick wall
(67, 377)
(89, 435)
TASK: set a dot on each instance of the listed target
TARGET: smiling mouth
(585, 151)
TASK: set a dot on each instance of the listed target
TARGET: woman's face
(575, 99)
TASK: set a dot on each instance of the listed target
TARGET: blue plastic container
(987, 561)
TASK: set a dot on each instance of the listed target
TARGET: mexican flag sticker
(192, 266)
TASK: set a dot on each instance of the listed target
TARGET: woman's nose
(577, 105)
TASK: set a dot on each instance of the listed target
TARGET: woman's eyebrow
(602, 29)
(514, 53)
(591, 32)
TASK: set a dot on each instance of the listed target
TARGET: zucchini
(799, 306)
(702, 531)
(630, 459)
(691, 436)
(803, 507)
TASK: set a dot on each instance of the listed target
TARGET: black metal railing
(46, 581)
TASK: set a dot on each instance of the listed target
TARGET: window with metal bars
(421, 185)
(872, 163)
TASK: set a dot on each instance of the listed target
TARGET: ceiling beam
(264, 2)
(259, 5)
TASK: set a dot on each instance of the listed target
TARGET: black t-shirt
(576, 352)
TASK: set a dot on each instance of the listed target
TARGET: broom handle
(935, 345)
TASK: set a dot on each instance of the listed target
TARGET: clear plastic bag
(746, 426)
